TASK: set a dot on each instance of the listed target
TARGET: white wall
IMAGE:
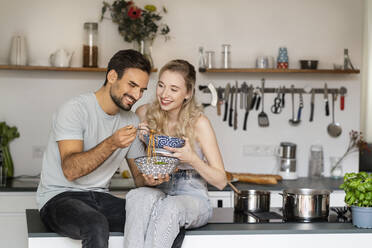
(318, 29)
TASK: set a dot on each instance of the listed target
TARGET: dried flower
(356, 143)
(134, 23)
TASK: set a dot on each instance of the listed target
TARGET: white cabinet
(13, 219)
(221, 199)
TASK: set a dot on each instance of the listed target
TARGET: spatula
(263, 119)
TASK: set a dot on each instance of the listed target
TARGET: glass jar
(210, 59)
(90, 48)
(316, 161)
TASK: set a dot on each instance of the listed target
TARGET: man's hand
(123, 137)
(151, 181)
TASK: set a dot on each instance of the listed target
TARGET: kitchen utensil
(326, 99)
(312, 105)
(300, 107)
(212, 90)
(243, 91)
(252, 201)
(226, 98)
(90, 48)
(342, 99)
(220, 91)
(276, 108)
(309, 64)
(283, 96)
(334, 129)
(248, 106)
(286, 157)
(18, 51)
(305, 205)
(226, 59)
(156, 165)
(60, 58)
(236, 106)
(263, 119)
(232, 92)
(293, 121)
(233, 187)
(316, 161)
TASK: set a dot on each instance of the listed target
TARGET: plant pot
(361, 216)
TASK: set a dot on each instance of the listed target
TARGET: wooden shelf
(257, 70)
(50, 68)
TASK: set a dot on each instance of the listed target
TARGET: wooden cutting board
(253, 178)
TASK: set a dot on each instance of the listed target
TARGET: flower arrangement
(356, 143)
(136, 24)
(7, 134)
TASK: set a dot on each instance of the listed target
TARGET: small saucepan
(251, 200)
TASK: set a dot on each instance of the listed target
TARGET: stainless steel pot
(252, 200)
(305, 205)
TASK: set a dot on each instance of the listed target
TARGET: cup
(262, 62)
(336, 167)
(316, 161)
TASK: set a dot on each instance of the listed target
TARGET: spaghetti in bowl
(156, 165)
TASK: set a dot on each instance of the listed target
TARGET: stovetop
(275, 215)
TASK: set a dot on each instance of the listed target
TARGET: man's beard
(119, 103)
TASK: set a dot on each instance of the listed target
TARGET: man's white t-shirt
(82, 118)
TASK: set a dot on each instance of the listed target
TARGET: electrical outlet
(259, 150)
(38, 151)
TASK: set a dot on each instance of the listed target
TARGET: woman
(154, 215)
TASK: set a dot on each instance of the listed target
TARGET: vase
(336, 167)
(7, 161)
(361, 216)
(145, 47)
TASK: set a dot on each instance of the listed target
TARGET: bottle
(90, 48)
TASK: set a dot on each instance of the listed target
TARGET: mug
(262, 62)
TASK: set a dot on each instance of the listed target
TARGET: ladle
(334, 129)
(234, 188)
(293, 121)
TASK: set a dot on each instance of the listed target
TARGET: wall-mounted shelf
(258, 70)
(50, 68)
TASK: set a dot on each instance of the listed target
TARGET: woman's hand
(143, 129)
(185, 154)
(151, 181)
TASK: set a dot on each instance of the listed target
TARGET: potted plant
(137, 25)
(358, 189)
(7, 134)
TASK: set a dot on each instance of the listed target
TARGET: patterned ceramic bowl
(156, 165)
(163, 140)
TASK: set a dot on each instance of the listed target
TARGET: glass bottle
(316, 161)
(90, 48)
(210, 59)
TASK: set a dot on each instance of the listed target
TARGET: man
(91, 135)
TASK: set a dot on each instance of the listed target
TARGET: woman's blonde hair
(189, 113)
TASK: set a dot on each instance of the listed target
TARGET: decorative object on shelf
(262, 62)
(18, 51)
(309, 64)
(282, 60)
(136, 24)
(7, 134)
(358, 189)
(356, 143)
(347, 62)
(202, 64)
(90, 48)
(60, 58)
(210, 59)
(226, 58)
